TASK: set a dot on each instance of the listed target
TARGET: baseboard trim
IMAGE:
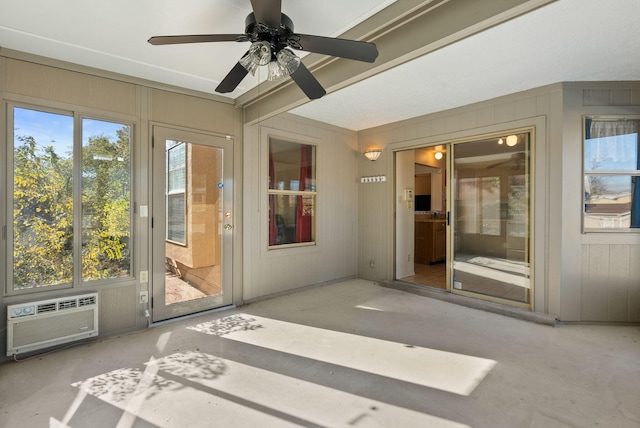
(469, 302)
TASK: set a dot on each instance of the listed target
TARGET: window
(176, 192)
(65, 229)
(292, 193)
(611, 174)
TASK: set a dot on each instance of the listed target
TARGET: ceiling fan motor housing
(278, 38)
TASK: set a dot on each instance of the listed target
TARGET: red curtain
(304, 214)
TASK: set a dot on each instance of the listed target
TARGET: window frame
(7, 186)
(312, 193)
(604, 173)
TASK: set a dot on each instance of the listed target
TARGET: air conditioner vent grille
(46, 307)
(67, 304)
(86, 301)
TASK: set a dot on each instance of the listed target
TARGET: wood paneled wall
(577, 276)
(74, 88)
(334, 256)
(600, 272)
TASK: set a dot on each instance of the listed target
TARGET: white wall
(334, 256)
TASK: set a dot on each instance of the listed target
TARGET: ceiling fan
(271, 35)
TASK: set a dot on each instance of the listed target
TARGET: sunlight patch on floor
(369, 308)
(445, 371)
(235, 394)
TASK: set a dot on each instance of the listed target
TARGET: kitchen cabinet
(430, 241)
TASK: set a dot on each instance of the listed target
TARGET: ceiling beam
(403, 31)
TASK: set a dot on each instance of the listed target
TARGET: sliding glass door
(491, 218)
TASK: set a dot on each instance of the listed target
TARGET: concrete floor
(350, 354)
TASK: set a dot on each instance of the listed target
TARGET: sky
(57, 129)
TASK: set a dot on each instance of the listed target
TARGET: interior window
(611, 174)
(292, 193)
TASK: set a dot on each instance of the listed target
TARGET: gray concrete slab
(350, 354)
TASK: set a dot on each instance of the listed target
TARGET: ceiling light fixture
(276, 72)
(286, 64)
(259, 54)
(373, 154)
(512, 140)
(288, 60)
(500, 141)
(438, 155)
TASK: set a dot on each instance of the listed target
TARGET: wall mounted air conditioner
(44, 323)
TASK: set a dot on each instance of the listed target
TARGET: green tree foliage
(43, 211)
(42, 216)
(105, 207)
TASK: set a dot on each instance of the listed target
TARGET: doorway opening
(424, 217)
(463, 218)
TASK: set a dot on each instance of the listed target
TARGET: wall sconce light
(373, 154)
(438, 155)
(512, 140)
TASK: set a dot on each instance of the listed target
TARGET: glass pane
(193, 250)
(176, 167)
(291, 166)
(490, 205)
(42, 199)
(608, 201)
(612, 145)
(491, 218)
(175, 191)
(176, 218)
(106, 200)
(612, 198)
(291, 219)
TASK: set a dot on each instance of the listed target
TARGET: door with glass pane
(490, 219)
(192, 222)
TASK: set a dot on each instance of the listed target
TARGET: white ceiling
(569, 40)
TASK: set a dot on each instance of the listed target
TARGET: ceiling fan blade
(343, 48)
(268, 12)
(233, 79)
(197, 38)
(309, 85)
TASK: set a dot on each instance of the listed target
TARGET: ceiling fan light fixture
(288, 61)
(259, 54)
(248, 63)
(276, 71)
